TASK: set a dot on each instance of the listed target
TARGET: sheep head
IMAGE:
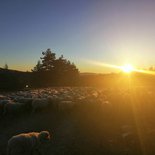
(44, 137)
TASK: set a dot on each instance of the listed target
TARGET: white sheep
(28, 143)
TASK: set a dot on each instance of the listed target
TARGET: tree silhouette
(152, 68)
(48, 60)
(55, 70)
(38, 67)
(6, 66)
(63, 66)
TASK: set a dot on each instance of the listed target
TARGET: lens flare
(128, 68)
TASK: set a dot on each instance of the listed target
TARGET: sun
(127, 68)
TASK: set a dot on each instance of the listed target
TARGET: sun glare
(128, 68)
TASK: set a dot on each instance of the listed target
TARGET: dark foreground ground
(124, 126)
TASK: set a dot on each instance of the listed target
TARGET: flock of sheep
(37, 100)
(65, 99)
(60, 99)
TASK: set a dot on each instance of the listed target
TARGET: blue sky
(84, 31)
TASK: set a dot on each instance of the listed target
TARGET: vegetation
(52, 71)
(50, 63)
(6, 66)
(152, 68)
(49, 71)
(58, 71)
(37, 68)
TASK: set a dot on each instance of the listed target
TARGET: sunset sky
(84, 31)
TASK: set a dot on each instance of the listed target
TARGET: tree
(38, 67)
(56, 71)
(48, 60)
(152, 68)
(59, 64)
(64, 66)
(6, 66)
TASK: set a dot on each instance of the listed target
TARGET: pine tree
(6, 66)
(48, 60)
(38, 67)
(52, 70)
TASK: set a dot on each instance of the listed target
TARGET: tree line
(58, 71)
(49, 71)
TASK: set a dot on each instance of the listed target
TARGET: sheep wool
(27, 143)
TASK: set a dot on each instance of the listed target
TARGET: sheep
(28, 143)
(65, 105)
(2, 97)
(24, 100)
(39, 104)
(13, 108)
(2, 105)
(53, 102)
